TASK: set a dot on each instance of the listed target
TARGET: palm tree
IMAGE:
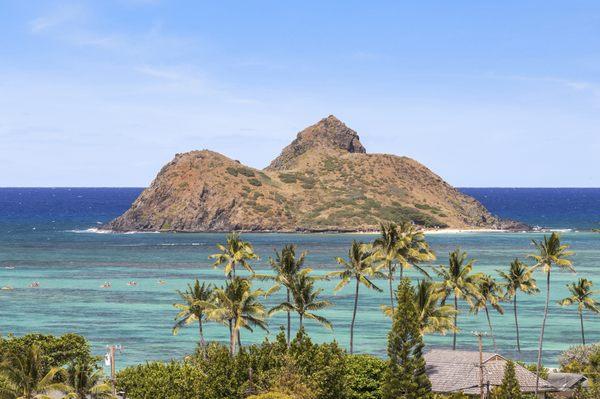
(238, 306)
(235, 252)
(518, 278)
(286, 267)
(24, 378)
(87, 381)
(191, 309)
(581, 294)
(433, 317)
(305, 301)
(550, 252)
(488, 292)
(358, 267)
(402, 245)
(457, 279)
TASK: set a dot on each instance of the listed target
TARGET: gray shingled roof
(566, 381)
(458, 371)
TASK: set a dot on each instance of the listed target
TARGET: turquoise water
(71, 264)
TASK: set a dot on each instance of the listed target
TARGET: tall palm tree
(518, 278)
(489, 292)
(286, 267)
(581, 294)
(458, 280)
(238, 306)
(86, 382)
(235, 252)
(550, 252)
(24, 377)
(305, 301)
(191, 309)
(358, 267)
(401, 245)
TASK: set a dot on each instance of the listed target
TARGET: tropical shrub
(364, 376)
(577, 358)
(174, 380)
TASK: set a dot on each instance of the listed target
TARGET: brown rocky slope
(323, 181)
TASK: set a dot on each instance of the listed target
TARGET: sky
(484, 93)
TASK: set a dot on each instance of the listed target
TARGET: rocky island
(323, 181)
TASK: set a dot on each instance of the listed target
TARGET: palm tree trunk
(231, 341)
(300, 326)
(354, 317)
(239, 339)
(289, 320)
(539, 359)
(391, 279)
(487, 315)
(517, 323)
(202, 342)
(455, 321)
(582, 333)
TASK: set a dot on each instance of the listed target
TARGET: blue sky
(484, 93)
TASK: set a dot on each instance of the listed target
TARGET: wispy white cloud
(55, 19)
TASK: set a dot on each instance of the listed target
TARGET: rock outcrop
(323, 181)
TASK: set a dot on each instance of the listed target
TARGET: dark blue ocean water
(561, 208)
(45, 236)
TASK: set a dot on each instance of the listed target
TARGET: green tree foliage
(174, 380)
(364, 376)
(402, 246)
(316, 370)
(405, 376)
(55, 351)
(509, 388)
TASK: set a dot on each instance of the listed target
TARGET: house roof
(566, 381)
(458, 371)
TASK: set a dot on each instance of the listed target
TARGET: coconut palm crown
(234, 252)
(305, 301)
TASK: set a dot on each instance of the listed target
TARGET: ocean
(46, 235)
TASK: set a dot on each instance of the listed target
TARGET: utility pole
(480, 336)
(109, 360)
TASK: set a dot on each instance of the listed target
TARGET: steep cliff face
(323, 181)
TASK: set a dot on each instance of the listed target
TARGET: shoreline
(449, 231)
